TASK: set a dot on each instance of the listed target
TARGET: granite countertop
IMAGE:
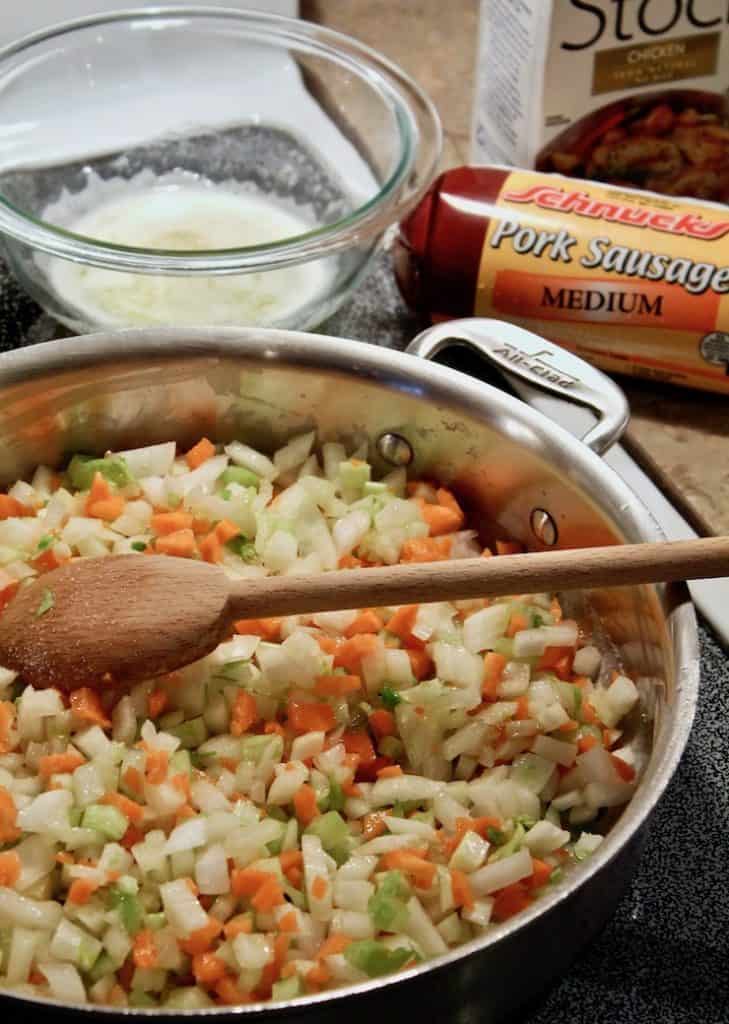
(684, 432)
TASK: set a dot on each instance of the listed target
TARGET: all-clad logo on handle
(536, 364)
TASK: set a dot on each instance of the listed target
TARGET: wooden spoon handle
(574, 569)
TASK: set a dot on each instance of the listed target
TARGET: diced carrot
(181, 544)
(411, 863)
(10, 868)
(63, 857)
(134, 780)
(402, 621)
(368, 621)
(131, 837)
(317, 976)
(267, 629)
(246, 881)
(184, 813)
(201, 526)
(272, 970)
(295, 877)
(290, 859)
(349, 562)
(420, 662)
(228, 992)
(509, 547)
(351, 789)
(625, 771)
(349, 653)
(202, 939)
(164, 523)
(305, 804)
(274, 727)
(226, 530)
(199, 453)
(10, 508)
(586, 743)
(47, 560)
(99, 490)
(108, 509)
(373, 825)
(54, 764)
(334, 944)
(311, 717)
(517, 622)
(522, 708)
(487, 553)
(157, 701)
(426, 549)
(8, 589)
(552, 656)
(241, 924)
(207, 968)
(493, 669)
(569, 726)
(336, 685)
(129, 808)
(440, 520)
(509, 901)
(144, 949)
(86, 705)
(588, 712)
(390, 771)
(555, 609)
(181, 782)
(319, 888)
(156, 768)
(244, 713)
(268, 896)
(7, 721)
(358, 742)
(81, 890)
(327, 643)
(289, 922)
(211, 549)
(541, 873)
(610, 737)
(462, 894)
(367, 771)
(382, 723)
(447, 499)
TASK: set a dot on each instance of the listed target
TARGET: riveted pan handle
(525, 356)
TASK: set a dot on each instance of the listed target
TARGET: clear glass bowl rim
(415, 116)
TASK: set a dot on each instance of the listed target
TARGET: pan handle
(536, 361)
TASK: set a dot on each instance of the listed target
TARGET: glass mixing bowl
(202, 166)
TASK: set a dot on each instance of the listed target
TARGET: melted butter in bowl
(192, 218)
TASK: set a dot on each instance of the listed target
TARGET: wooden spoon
(106, 621)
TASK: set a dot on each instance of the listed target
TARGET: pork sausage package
(628, 92)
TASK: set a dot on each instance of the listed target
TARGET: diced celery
(155, 921)
(139, 545)
(274, 847)
(278, 813)
(240, 475)
(289, 988)
(513, 845)
(142, 1000)
(336, 796)
(504, 645)
(334, 833)
(242, 547)
(389, 697)
(171, 719)
(88, 953)
(180, 763)
(388, 906)
(191, 733)
(103, 965)
(375, 959)
(375, 487)
(107, 820)
(83, 468)
(128, 908)
(353, 475)
(254, 747)
(391, 746)
(189, 997)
